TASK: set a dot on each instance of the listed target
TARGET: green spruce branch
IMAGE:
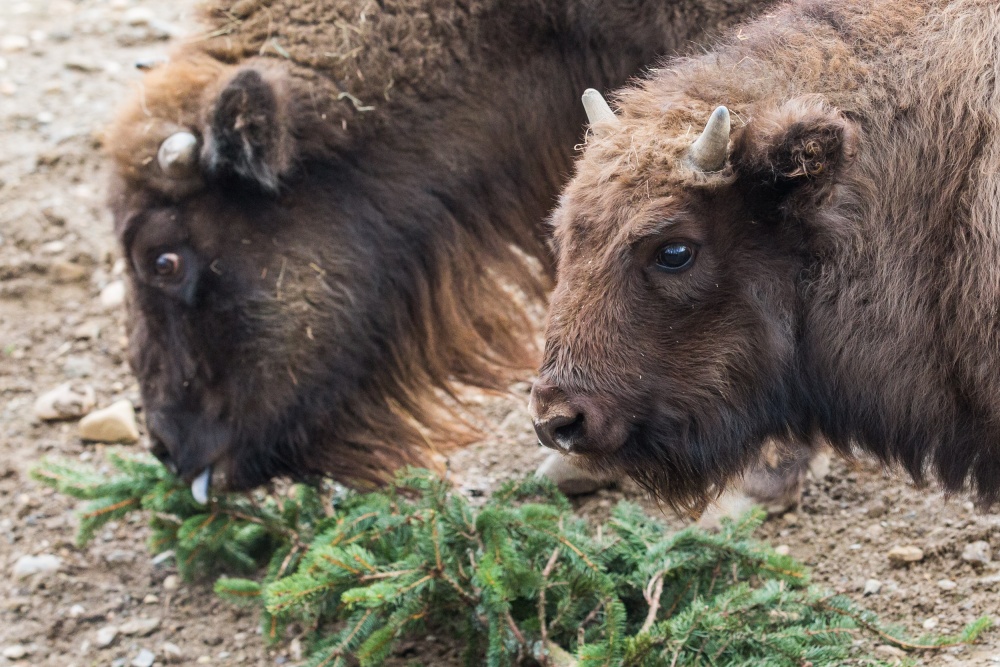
(520, 580)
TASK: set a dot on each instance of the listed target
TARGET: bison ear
(800, 146)
(249, 134)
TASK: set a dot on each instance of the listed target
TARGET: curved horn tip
(178, 154)
(709, 151)
(597, 108)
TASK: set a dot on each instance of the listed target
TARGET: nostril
(568, 434)
(563, 432)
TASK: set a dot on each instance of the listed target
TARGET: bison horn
(178, 154)
(597, 108)
(709, 152)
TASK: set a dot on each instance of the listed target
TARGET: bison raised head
(817, 258)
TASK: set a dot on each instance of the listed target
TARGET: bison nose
(557, 423)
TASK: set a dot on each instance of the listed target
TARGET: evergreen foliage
(520, 580)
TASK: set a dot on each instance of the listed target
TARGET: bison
(332, 216)
(820, 260)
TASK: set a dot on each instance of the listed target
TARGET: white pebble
(172, 652)
(947, 585)
(115, 423)
(113, 294)
(15, 652)
(906, 554)
(52, 247)
(44, 564)
(77, 610)
(977, 552)
(13, 43)
(106, 636)
(140, 627)
(782, 550)
(931, 623)
(146, 658)
(872, 587)
(67, 401)
(139, 16)
(171, 583)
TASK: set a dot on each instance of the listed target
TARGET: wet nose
(558, 424)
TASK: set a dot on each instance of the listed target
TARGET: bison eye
(675, 257)
(168, 265)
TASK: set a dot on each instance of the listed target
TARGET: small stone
(115, 423)
(171, 652)
(171, 583)
(947, 584)
(63, 272)
(150, 599)
(782, 550)
(77, 366)
(977, 552)
(906, 554)
(44, 564)
(14, 43)
(52, 247)
(79, 64)
(892, 651)
(294, 649)
(204, 660)
(113, 295)
(139, 16)
(106, 636)
(877, 509)
(15, 652)
(790, 518)
(872, 587)
(931, 623)
(140, 627)
(146, 658)
(77, 610)
(120, 555)
(71, 400)
(87, 331)
(570, 478)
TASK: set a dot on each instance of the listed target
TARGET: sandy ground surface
(64, 65)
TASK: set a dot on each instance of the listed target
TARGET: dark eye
(168, 265)
(675, 257)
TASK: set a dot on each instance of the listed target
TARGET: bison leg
(571, 479)
(775, 483)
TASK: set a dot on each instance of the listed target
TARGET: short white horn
(597, 108)
(178, 154)
(709, 152)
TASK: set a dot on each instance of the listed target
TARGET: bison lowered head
(280, 310)
(672, 338)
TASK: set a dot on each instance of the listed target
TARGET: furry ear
(803, 144)
(249, 129)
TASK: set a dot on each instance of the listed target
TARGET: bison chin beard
(687, 464)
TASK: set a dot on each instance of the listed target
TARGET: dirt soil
(64, 65)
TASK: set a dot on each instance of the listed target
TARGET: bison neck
(901, 304)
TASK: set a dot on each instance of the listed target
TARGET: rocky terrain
(915, 556)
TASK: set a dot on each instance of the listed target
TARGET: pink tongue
(201, 485)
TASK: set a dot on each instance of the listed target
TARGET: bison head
(280, 301)
(671, 343)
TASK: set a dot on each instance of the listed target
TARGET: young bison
(327, 208)
(823, 259)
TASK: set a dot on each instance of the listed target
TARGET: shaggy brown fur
(846, 277)
(368, 195)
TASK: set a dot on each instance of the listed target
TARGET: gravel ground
(64, 65)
